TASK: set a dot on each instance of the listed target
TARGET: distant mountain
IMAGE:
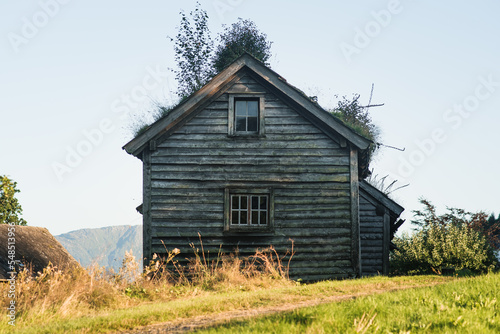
(104, 246)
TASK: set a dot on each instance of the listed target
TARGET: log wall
(372, 222)
(309, 172)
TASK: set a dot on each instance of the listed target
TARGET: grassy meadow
(469, 305)
(96, 301)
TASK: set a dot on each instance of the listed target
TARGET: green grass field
(468, 305)
(213, 303)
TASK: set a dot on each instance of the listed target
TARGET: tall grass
(54, 294)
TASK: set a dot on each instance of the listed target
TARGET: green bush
(451, 243)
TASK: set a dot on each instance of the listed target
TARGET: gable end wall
(308, 171)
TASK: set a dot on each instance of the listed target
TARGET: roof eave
(324, 116)
(381, 197)
(137, 145)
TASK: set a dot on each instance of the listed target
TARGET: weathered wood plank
(385, 244)
(217, 207)
(223, 137)
(237, 152)
(374, 263)
(158, 185)
(374, 227)
(332, 232)
(292, 128)
(146, 206)
(371, 236)
(370, 221)
(194, 215)
(314, 207)
(249, 160)
(285, 121)
(315, 224)
(278, 109)
(193, 191)
(355, 230)
(187, 200)
(271, 129)
(223, 97)
(249, 176)
(303, 190)
(372, 254)
(285, 202)
(250, 87)
(249, 144)
(238, 169)
(313, 215)
(161, 223)
(245, 79)
(216, 108)
(207, 121)
(372, 243)
(200, 129)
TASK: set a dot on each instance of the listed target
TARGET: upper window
(246, 115)
(248, 210)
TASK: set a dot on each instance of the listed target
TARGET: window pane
(253, 108)
(263, 217)
(241, 124)
(255, 202)
(241, 108)
(243, 217)
(252, 124)
(244, 203)
(255, 217)
(235, 202)
(263, 202)
(234, 217)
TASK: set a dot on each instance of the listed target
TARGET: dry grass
(55, 294)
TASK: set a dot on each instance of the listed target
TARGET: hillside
(105, 246)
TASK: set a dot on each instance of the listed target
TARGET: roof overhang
(382, 198)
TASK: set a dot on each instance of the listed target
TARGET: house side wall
(309, 173)
(372, 237)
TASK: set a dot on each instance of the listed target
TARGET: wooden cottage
(250, 161)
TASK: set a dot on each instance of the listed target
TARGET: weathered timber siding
(372, 236)
(309, 172)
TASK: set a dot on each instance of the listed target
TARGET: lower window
(248, 209)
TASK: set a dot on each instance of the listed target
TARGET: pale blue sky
(68, 66)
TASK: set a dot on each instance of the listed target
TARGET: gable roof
(246, 63)
(382, 198)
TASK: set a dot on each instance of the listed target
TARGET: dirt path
(185, 325)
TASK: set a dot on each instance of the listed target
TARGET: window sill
(249, 232)
(247, 136)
